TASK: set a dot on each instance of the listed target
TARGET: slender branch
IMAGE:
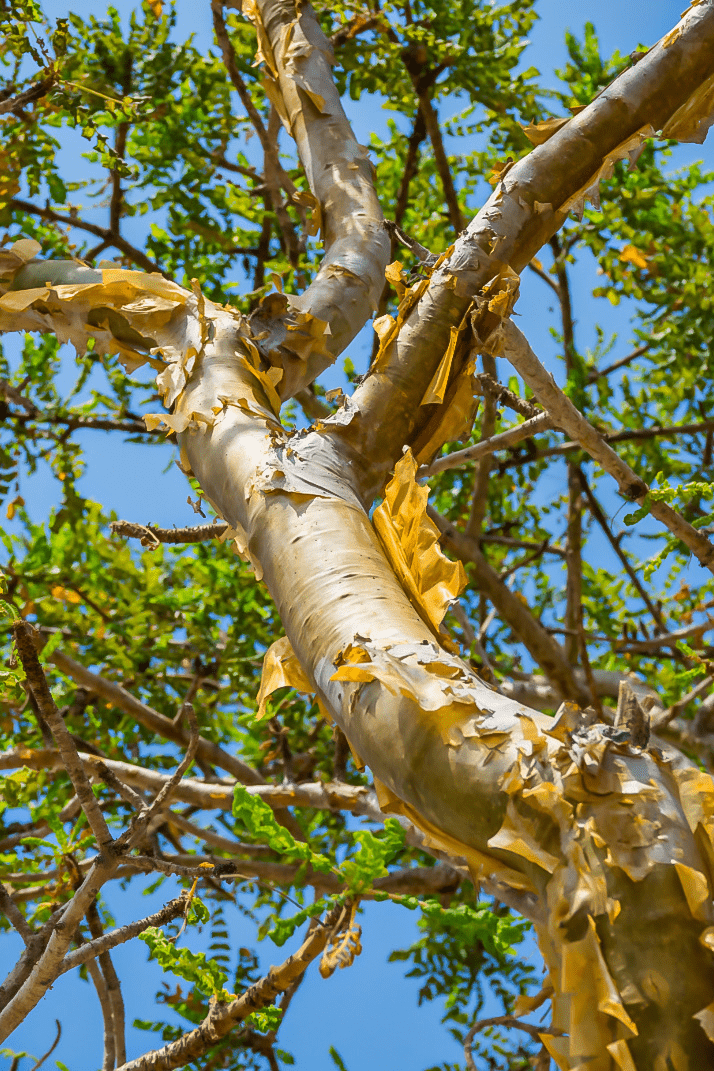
(110, 940)
(504, 1020)
(542, 274)
(431, 122)
(223, 1017)
(151, 536)
(574, 423)
(36, 1066)
(229, 59)
(140, 822)
(479, 495)
(596, 373)
(411, 165)
(105, 233)
(486, 446)
(599, 516)
(670, 639)
(114, 997)
(73, 423)
(543, 648)
(14, 915)
(34, 92)
(506, 397)
(630, 435)
(100, 985)
(24, 636)
(207, 751)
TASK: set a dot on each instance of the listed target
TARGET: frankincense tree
(304, 703)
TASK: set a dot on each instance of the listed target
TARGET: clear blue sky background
(369, 1012)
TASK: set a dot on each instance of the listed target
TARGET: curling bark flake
(615, 841)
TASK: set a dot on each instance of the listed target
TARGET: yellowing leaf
(64, 595)
(281, 669)
(631, 255)
(12, 506)
(410, 541)
(156, 7)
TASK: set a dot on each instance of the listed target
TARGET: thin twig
(116, 1002)
(34, 92)
(151, 536)
(24, 641)
(564, 413)
(141, 820)
(100, 985)
(504, 439)
(504, 1020)
(107, 236)
(36, 1066)
(110, 940)
(14, 915)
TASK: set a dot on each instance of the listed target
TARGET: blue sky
(369, 1012)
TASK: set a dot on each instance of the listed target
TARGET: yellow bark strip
(516, 836)
(621, 1055)
(281, 669)
(410, 540)
(696, 890)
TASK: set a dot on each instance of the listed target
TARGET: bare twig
(479, 495)
(574, 423)
(504, 396)
(504, 1020)
(14, 915)
(223, 1017)
(34, 92)
(114, 997)
(597, 373)
(24, 640)
(151, 536)
(628, 435)
(504, 439)
(110, 940)
(140, 822)
(100, 984)
(207, 752)
(36, 1066)
(599, 516)
(106, 234)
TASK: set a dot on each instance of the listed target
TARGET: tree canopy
(441, 634)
